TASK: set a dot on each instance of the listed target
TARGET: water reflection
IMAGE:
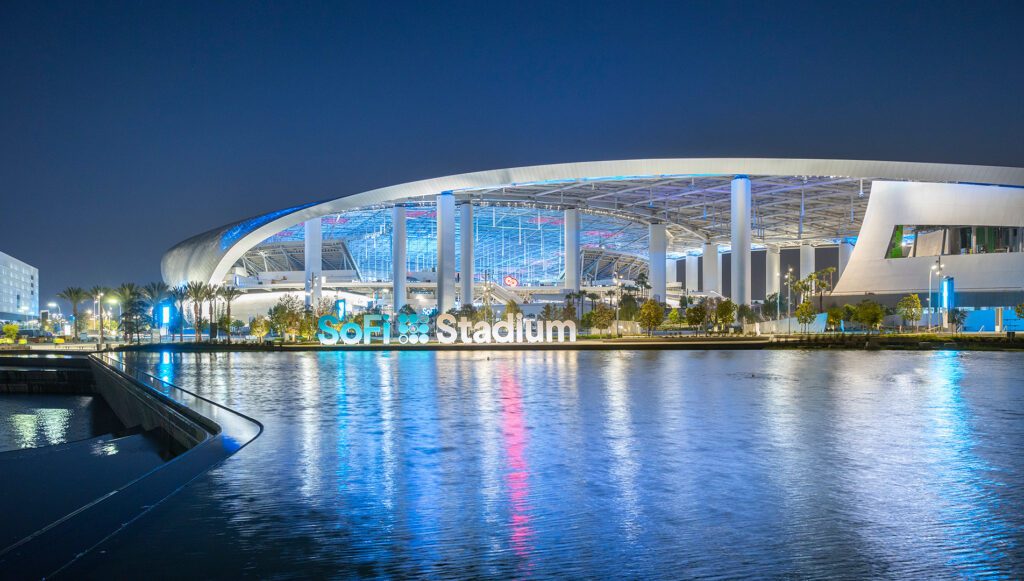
(517, 472)
(586, 464)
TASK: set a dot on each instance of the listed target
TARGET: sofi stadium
(736, 228)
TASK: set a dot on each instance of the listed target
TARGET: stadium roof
(793, 200)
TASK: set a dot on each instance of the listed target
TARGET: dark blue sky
(125, 128)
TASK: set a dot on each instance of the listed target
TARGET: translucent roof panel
(527, 243)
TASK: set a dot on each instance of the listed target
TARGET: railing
(236, 428)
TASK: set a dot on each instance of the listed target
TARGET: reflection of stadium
(618, 219)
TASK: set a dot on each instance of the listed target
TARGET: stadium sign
(449, 329)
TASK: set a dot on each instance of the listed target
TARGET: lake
(645, 464)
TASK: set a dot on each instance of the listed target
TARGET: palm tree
(196, 292)
(593, 300)
(229, 293)
(76, 296)
(180, 294)
(130, 295)
(155, 293)
(212, 292)
(97, 292)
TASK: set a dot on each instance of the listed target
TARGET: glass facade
(19, 289)
(522, 242)
(911, 241)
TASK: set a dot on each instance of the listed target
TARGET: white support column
(657, 249)
(398, 258)
(572, 250)
(739, 263)
(314, 259)
(445, 252)
(466, 253)
(671, 271)
(806, 259)
(692, 275)
(772, 270)
(845, 250)
(711, 265)
(720, 270)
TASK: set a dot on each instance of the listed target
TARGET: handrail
(61, 543)
(150, 380)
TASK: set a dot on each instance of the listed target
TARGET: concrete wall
(996, 277)
(137, 406)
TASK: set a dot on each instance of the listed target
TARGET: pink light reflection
(517, 476)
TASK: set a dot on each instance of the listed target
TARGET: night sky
(125, 128)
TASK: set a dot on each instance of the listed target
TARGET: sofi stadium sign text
(413, 329)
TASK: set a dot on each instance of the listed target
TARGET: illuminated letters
(328, 334)
(449, 330)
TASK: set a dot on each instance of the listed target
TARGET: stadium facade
(738, 228)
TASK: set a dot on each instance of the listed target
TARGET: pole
(99, 301)
(789, 305)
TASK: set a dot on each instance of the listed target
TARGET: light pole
(936, 269)
(99, 301)
(789, 301)
(60, 314)
(120, 315)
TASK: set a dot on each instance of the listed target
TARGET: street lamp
(789, 301)
(99, 301)
(936, 270)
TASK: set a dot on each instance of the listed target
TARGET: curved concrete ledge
(215, 432)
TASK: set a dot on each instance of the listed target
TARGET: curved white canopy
(806, 198)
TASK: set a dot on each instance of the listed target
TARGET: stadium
(742, 229)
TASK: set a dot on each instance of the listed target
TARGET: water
(599, 464)
(36, 420)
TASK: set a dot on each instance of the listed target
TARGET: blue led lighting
(236, 232)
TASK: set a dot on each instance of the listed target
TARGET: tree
(286, 315)
(774, 305)
(132, 308)
(674, 317)
(909, 309)
(229, 294)
(805, 314)
(259, 326)
(307, 325)
(549, 312)
(957, 318)
(97, 292)
(179, 295)
(822, 284)
(725, 312)
(746, 314)
(11, 331)
(76, 296)
(512, 308)
(210, 295)
(697, 315)
(641, 284)
(1019, 311)
(849, 312)
(155, 293)
(196, 292)
(628, 307)
(869, 313)
(652, 314)
(593, 297)
(486, 313)
(834, 317)
(603, 316)
(802, 287)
